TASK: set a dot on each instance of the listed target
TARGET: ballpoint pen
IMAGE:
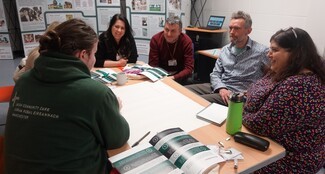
(136, 143)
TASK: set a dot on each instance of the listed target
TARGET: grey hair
(174, 20)
(243, 15)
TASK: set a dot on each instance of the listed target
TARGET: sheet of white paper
(155, 107)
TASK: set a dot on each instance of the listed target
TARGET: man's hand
(225, 94)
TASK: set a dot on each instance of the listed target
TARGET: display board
(146, 17)
(5, 46)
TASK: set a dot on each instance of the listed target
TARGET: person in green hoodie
(59, 119)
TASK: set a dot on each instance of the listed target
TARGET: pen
(144, 136)
(235, 163)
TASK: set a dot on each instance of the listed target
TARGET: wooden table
(212, 134)
(196, 29)
(213, 53)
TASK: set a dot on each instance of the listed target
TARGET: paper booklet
(141, 71)
(170, 151)
(104, 75)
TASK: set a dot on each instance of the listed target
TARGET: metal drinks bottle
(235, 113)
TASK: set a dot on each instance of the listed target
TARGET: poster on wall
(61, 17)
(31, 15)
(145, 26)
(148, 18)
(36, 15)
(5, 46)
(143, 47)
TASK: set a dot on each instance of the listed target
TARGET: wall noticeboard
(146, 17)
(5, 45)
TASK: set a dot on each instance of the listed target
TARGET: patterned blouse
(292, 113)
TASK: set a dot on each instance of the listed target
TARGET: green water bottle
(235, 113)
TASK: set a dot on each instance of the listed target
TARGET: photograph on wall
(139, 5)
(30, 14)
(28, 38)
(4, 40)
(54, 4)
(67, 5)
(174, 4)
(155, 6)
(5, 47)
(3, 23)
(108, 2)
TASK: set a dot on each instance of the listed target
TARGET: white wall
(269, 16)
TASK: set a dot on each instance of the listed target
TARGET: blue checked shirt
(238, 72)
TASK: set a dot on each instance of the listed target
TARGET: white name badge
(172, 62)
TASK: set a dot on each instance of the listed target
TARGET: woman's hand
(123, 62)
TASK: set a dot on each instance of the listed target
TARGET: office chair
(2, 154)
(5, 93)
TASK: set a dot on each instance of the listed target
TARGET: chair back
(2, 153)
(5, 93)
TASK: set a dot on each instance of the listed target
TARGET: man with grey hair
(240, 63)
(172, 50)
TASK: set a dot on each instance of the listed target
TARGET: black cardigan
(108, 48)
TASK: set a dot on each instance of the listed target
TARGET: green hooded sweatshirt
(62, 121)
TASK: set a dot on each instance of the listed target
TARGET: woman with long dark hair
(288, 104)
(116, 46)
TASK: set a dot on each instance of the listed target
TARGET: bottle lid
(238, 97)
